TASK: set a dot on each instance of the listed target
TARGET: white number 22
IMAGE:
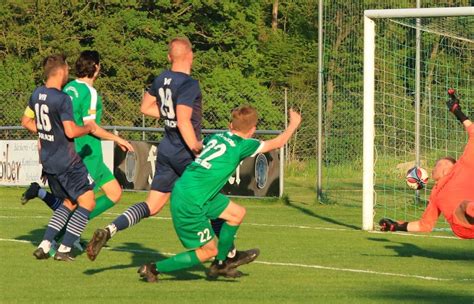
(205, 235)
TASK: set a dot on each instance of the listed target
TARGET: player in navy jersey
(175, 97)
(49, 113)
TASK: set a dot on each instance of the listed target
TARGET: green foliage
(239, 58)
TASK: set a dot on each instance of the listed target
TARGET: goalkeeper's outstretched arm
(455, 108)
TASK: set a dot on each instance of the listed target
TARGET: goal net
(406, 122)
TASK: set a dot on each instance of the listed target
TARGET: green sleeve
(250, 147)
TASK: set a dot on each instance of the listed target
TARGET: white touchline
(284, 264)
(161, 218)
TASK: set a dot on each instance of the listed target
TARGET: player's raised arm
(282, 139)
(149, 106)
(186, 129)
(455, 108)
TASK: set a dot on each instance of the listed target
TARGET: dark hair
(52, 63)
(86, 64)
(448, 158)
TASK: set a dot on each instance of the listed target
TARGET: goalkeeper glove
(387, 224)
(454, 107)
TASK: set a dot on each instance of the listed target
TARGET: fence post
(319, 188)
(143, 117)
(285, 154)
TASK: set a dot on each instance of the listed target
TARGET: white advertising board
(19, 161)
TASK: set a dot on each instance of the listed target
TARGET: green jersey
(86, 104)
(209, 172)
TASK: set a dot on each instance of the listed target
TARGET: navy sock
(217, 225)
(57, 222)
(132, 216)
(52, 201)
(76, 226)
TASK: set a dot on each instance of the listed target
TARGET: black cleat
(40, 254)
(30, 193)
(243, 257)
(148, 272)
(99, 239)
(63, 256)
(222, 268)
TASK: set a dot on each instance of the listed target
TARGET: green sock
(101, 204)
(226, 240)
(182, 260)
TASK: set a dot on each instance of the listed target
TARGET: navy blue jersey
(52, 107)
(172, 89)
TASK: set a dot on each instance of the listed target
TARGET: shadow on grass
(407, 250)
(34, 236)
(309, 212)
(407, 293)
(142, 255)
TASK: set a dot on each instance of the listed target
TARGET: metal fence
(123, 110)
(342, 105)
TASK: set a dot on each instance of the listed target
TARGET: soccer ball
(417, 178)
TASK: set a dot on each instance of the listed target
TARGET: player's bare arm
(72, 130)
(282, 139)
(149, 106)
(186, 129)
(106, 135)
(29, 123)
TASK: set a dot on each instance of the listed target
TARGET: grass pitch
(310, 253)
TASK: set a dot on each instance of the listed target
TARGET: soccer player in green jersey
(196, 196)
(87, 110)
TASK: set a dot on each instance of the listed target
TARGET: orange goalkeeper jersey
(450, 191)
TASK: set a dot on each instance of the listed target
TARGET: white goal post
(369, 91)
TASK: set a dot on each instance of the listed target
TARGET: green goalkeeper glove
(387, 224)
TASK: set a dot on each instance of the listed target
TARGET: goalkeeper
(453, 193)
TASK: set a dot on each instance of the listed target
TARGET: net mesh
(446, 62)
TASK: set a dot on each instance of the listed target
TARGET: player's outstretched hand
(453, 101)
(124, 145)
(387, 224)
(454, 107)
(295, 118)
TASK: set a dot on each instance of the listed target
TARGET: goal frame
(369, 92)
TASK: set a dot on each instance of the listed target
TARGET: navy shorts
(169, 168)
(71, 184)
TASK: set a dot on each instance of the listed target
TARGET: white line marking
(161, 218)
(286, 264)
(418, 235)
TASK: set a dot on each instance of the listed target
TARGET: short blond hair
(179, 40)
(244, 118)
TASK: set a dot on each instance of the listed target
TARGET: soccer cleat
(222, 268)
(30, 193)
(243, 257)
(148, 272)
(40, 254)
(63, 256)
(99, 239)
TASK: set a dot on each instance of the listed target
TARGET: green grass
(310, 253)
